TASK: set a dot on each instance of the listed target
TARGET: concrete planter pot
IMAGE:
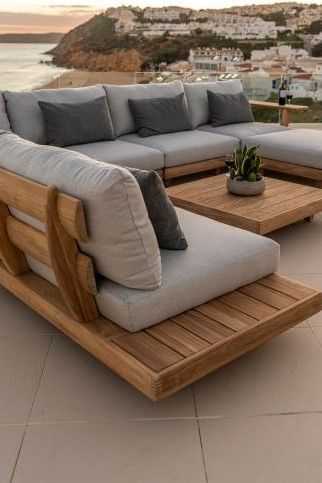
(245, 188)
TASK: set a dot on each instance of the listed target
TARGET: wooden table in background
(282, 203)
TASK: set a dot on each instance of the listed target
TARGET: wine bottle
(282, 93)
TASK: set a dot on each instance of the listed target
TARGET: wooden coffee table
(282, 203)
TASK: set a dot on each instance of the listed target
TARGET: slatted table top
(282, 203)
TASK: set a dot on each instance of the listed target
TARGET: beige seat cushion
(122, 154)
(219, 258)
(187, 146)
(244, 130)
(296, 146)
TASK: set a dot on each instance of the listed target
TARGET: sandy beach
(80, 78)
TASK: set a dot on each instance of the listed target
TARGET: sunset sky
(62, 15)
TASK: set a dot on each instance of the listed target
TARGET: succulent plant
(247, 165)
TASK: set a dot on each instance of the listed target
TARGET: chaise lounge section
(77, 245)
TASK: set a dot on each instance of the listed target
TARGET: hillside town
(294, 29)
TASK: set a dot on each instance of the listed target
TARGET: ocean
(20, 66)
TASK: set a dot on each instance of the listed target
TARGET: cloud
(12, 22)
(71, 7)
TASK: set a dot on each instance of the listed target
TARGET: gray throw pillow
(161, 211)
(160, 115)
(67, 124)
(229, 108)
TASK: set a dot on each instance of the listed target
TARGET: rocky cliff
(99, 46)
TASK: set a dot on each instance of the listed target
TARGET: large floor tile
(318, 333)
(10, 441)
(270, 449)
(118, 452)
(17, 319)
(314, 280)
(301, 255)
(282, 376)
(75, 386)
(21, 363)
(299, 230)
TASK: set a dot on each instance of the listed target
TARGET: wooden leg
(285, 117)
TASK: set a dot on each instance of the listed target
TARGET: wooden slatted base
(167, 357)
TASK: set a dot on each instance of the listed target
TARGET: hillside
(97, 45)
(49, 38)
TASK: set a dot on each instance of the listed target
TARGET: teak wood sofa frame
(162, 359)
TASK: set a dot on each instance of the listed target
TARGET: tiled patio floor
(64, 418)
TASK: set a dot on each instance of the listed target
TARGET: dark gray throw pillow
(229, 108)
(160, 115)
(67, 124)
(161, 211)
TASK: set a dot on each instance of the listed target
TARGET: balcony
(64, 417)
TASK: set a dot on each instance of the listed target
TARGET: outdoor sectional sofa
(176, 154)
(77, 245)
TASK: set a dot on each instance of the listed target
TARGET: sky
(35, 16)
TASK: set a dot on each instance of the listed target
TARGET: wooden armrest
(275, 105)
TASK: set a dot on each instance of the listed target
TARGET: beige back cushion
(123, 244)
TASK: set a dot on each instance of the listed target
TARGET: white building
(285, 51)
(214, 59)
(158, 29)
(164, 14)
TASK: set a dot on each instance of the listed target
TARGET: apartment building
(214, 59)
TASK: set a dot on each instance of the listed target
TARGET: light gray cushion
(196, 94)
(296, 146)
(4, 121)
(229, 108)
(25, 115)
(187, 146)
(160, 210)
(219, 258)
(67, 124)
(118, 101)
(160, 115)
(122, 242)
(122, 154)
(244, 129)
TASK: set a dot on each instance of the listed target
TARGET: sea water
(25, 66)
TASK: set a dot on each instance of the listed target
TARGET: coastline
(81, 78)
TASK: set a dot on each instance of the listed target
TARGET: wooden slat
(190, 168)
(63, 252)
(275, 105)
(177, 338)
(30, 198)
(34, 243)
(291, 169)
(203, 326)
(268, 295)
(13, 258)
(247, 305)
(147, 350)
(300, 202)
(225, 315)
(281, 195)
(202, 363)
(286, 286)
(226, 200)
